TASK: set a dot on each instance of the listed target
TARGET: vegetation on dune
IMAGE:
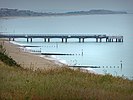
(58, 84)
(61, 83)
(5, 58)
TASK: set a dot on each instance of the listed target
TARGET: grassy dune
(61, 83)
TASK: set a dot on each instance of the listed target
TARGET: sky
(67, 5)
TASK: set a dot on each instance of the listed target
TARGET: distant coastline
(6, 12)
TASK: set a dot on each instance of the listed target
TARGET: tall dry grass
(61, 84)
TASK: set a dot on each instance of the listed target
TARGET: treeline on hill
(6, 12)
(5, 58)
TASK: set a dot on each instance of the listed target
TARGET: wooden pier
(63, 37)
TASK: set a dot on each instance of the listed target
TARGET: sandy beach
(28, 60)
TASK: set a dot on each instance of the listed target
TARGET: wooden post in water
(121, 65)
(82, 52)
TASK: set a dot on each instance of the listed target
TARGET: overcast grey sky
(68, 5)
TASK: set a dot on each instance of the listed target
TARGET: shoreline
(27, 59)
(37, 53)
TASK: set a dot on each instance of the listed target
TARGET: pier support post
(96, 39)
(79, 40)
(122, 40)
(66, 40)
(44, 39)
(27, 39)
(83, 39)
(48, 39)
(112, 40)
(31, 40)
(62, 40)
(9, 39)
(106, 39)
(119, 40)
(109, 40)
(13, 39)
(116, 40)
(100, 39)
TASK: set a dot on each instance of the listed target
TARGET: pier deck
(63, 37)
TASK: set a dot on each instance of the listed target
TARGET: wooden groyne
(63, 37)
(85, 66)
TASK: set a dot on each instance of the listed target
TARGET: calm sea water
(106, 55)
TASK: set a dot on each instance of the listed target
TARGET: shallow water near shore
(109, 56)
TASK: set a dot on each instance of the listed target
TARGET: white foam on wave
(60, 61)
(28, 48)
(16, 43)
(25, 49)
(55, 59)
(90, 70)
(63, 61)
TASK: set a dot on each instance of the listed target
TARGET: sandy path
(28, 60)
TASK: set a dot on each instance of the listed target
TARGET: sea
(111, 57)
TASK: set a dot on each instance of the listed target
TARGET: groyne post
(82, 52)
(121, 65)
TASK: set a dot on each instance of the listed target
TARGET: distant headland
(6, 12)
